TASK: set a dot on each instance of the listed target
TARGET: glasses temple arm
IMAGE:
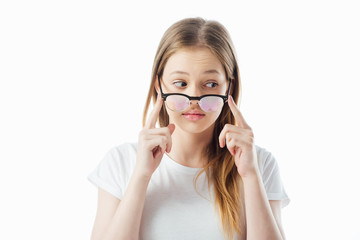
(160, 87)
(227, 96)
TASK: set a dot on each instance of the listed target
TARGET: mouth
(193, 116)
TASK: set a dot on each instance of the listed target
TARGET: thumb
(171, 126)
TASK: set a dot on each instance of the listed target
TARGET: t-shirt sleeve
(113, 171)
(272, 180)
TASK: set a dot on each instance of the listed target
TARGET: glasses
(179, 102)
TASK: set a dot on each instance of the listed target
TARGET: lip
(193, 116)
(194, 112)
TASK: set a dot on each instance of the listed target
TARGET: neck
(188, 148)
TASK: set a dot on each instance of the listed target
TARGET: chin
(193, 129)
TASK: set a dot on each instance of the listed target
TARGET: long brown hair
(220, 169)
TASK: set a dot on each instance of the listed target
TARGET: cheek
(171, 114)
(217, 114)
(218, 111)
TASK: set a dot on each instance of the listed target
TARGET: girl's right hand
(153, 142)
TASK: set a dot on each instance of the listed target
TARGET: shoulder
(114, 170)
(265, 158)
(124, 149)
(270, 173)
(123, 155)
(268, 165)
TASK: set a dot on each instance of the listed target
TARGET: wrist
(141, 176)
(252, 176)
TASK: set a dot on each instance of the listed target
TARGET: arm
(276, 210)
(117, 220)
(121, 220)
(261, 221)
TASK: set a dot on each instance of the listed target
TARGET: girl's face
(195, 72)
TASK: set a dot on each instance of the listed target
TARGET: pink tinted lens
(177, 102)
(211, 103)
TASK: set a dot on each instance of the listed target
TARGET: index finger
(150, 123)
(237, 114)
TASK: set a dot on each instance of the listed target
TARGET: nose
(194, 102)
(194, 91)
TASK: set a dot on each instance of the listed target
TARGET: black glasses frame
(225, 98)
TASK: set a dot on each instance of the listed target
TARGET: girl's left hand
(239, 141)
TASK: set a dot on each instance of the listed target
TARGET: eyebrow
(206, 72)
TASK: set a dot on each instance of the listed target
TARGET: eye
(181, 84)
(214, 84)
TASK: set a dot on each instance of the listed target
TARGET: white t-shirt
(173, 209)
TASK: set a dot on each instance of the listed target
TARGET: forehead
(194, 60)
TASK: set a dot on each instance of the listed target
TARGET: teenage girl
(199, 175)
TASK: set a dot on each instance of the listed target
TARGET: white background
(74, 78)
